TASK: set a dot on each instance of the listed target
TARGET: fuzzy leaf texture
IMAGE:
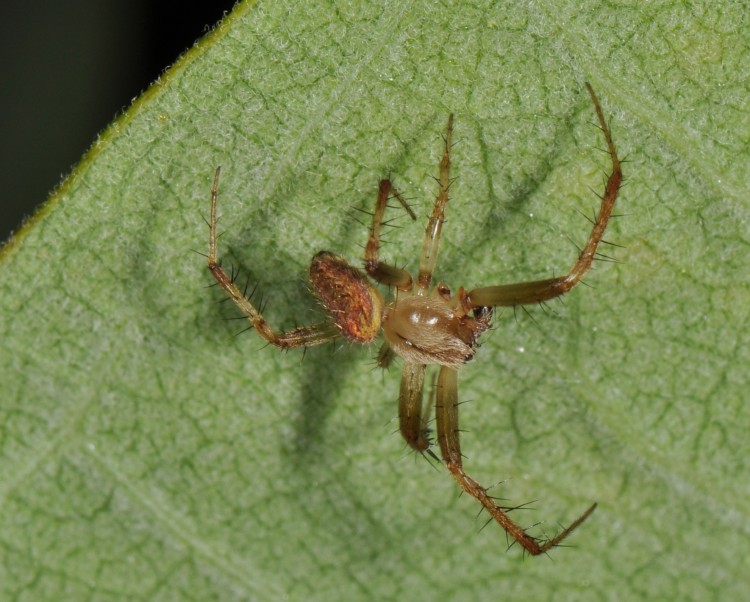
(148, 453)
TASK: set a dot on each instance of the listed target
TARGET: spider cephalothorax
(433, 330)
(422, 325)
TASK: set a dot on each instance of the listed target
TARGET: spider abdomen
(354, 305)
(427, 330)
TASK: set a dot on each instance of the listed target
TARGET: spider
(423, 325)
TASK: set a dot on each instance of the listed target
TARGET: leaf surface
(146, 452)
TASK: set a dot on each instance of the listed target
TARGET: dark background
(66, 70)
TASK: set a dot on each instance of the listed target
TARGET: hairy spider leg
(401, 279)
(383, 272)
(446, 415)
(380, 271)
(412, 413)
(431, 243)
(523, 293)
(298, 337)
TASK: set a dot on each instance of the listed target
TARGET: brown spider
(422, 326)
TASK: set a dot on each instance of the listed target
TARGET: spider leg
(412, 415)
(382, 272)
(299, 337)
(446, 414)
(542, 290)
(431, 243)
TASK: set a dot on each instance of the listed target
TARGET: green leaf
(147, 453)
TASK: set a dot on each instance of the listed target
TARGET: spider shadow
(519, 192)
(324, 370)
(320, 370)
(315, 453)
